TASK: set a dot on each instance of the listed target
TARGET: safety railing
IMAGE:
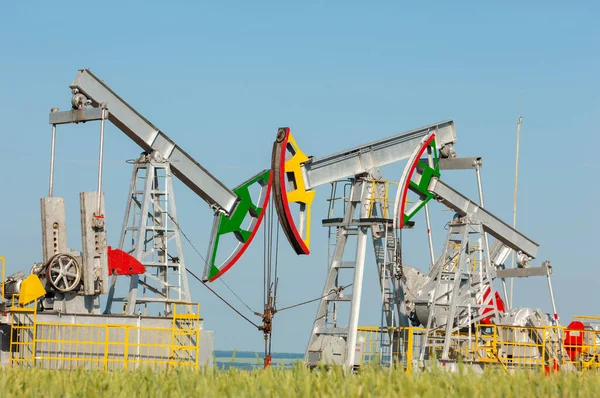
(23, 332)
(520, 347)
(55, 345)
(475, 260)
(383, 200)
(397, 346)
(586, 318)
(548, 348)
(186, 326)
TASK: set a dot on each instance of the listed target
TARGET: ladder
(185, 336)
(333, 198)
(23, 330)
(385, 247)
(382, 246)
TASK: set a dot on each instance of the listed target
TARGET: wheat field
(296, 382)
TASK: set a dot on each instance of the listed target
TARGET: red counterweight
(121, 263)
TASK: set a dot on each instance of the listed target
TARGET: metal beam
(491, 224)
(77, 116)
(376, 154)
(150, 138)
(460, 163)
(522, 272)
(453, 163)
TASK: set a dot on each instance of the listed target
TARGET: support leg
(356, 296)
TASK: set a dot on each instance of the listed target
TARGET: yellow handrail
(510, 347)
(590, 317)
(103, 346)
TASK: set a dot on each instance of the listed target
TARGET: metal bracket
(523, 272)
(77, 116)
(460, 163)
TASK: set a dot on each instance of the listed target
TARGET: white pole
(359, 268)
(485, 236)
(51, 185)
(427, 220)
(51, 188)
(431, 254)
(100, 161)
(519, 121)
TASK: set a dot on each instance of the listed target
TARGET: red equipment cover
(121, 263)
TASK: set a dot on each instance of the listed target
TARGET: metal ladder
(385, 249)
(387, 269)
(185, 335)
(333, 198)
(23, 347)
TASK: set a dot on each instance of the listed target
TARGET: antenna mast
(519, 121)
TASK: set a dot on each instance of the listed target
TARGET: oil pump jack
(68, 284)
(456, 292)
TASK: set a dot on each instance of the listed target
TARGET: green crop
(295, 382)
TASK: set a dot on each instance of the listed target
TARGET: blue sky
(220, 77)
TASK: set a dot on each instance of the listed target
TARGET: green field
(249, 360)
(251, 363)
(296, 382)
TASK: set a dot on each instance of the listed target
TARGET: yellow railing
(186, 325)
(404, 345)
(520, 347)
(586, 318)
(475, 262)
(548, 348)
(374, 199)
(104, 346)
(23, 332)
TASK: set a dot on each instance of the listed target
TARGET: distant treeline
(253, 354)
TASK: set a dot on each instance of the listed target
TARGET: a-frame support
(151, 234)
(330, 342)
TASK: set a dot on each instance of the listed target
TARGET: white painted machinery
(67, 285)
(447, 311)
(448, 300)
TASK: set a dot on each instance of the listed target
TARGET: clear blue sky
(221, 77)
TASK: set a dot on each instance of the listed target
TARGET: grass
(297, 382)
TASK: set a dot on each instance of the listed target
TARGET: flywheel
(64, 272)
